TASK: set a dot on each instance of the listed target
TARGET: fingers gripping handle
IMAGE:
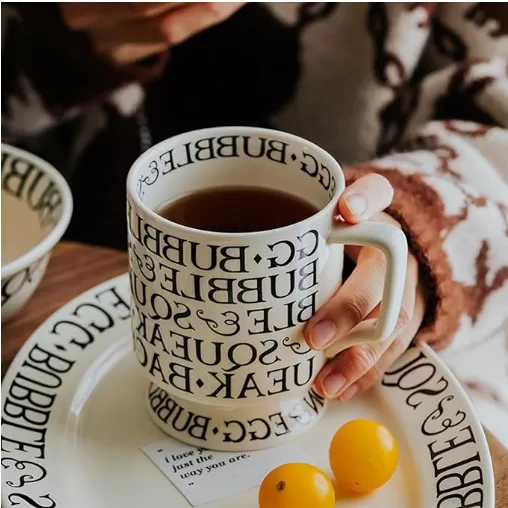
(392, 242)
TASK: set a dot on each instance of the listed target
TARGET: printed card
(203, 476)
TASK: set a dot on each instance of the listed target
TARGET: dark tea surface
(237, 209)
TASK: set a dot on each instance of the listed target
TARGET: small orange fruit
(363, 455)
(296, 485)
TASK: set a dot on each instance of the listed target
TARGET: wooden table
(75, 268)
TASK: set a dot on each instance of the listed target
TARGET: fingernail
(349, 393)
(322, 334)
(356, 203)
(332, 384)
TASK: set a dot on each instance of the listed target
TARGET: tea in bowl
(36, 210)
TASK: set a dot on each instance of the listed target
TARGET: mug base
(234, 428)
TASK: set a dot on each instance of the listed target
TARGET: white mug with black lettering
(217, 318)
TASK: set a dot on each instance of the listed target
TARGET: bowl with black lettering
(36, 210)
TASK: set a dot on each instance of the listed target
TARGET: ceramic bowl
(36, 210)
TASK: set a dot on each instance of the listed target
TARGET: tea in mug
(239, 209)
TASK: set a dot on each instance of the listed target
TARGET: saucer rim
(465, 402)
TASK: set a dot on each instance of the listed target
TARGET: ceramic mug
(217, 318)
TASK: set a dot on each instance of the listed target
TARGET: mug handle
(393, 243)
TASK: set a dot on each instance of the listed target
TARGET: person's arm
(452, 201)
(450, 197)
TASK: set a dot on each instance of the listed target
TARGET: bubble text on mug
(232, 146)
(197, 306)
(200, 427)
(237, 367)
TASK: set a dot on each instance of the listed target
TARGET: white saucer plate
(74, 418)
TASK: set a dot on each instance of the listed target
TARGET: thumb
(365, 198)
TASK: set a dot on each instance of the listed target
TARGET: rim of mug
(52, 238)
(148, 154)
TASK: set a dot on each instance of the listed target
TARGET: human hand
(131, 31)
(359, 367)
